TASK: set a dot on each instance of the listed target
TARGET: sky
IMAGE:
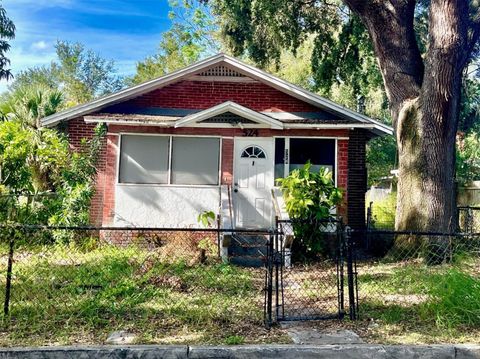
(122, 30)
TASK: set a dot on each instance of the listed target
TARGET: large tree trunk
(424, 97)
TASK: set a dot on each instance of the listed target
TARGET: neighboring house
(215, 136)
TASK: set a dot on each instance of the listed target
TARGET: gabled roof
(234, 108)
(220, 59)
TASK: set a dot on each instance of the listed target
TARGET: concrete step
(247, 250)
(249, 240)
(256, 251)
(247, 261)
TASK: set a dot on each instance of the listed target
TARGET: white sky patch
(39, 45)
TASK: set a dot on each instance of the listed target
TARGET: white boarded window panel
(260, 206)
(195, 160)
(261, 176)
(244, 176)
(144, 159)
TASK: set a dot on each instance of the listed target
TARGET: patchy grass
(61, 295)
(410, 302)
(66, 295)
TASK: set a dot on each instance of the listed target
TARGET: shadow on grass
(63, 296)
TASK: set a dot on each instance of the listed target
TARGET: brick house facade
(221, 108)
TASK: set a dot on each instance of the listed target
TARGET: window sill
(168, 185)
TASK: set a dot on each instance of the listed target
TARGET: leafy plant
(207, 246)
(78, 187)
(309, 195)
(309, 199)
(206, 218)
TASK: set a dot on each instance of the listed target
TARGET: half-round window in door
(253, 152)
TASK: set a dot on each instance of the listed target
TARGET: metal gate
(305, 276)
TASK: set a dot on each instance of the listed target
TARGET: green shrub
(309, 198)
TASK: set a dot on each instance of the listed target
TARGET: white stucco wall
(162, 206)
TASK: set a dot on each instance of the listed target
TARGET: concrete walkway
(347, 351)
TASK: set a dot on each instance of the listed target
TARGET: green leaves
(309, 198)
(193, 33)
(308, 194)
(7, 32)
(206, 218)
(468, 158)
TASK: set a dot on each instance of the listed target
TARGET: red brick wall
(342, 176)
(104, 198)
(111, 175)
(77, 130)
(204, 94)
(227, 161)
(357, 178)
(229, 132)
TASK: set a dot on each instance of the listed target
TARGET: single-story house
(214, 136)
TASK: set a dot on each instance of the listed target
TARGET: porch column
(357, 178)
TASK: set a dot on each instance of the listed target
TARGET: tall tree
(191, 36)
(423, 90)
(28, 153)
(78, 72)
(7, 32)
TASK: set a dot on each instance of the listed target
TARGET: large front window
(292, 153)
(169, 160)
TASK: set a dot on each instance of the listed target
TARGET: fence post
(8, 284)
(340, 268)
(351, 274)
(269, 283)
(218, 235)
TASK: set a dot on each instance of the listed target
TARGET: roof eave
(251, 71)
(233, 107)
(128, 93)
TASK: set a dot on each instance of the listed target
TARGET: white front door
(253, 181)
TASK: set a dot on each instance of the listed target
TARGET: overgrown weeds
(66, 295)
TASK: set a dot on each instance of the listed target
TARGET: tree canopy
(193, 34)
(421, 50)
(7, 32)
(79, 73)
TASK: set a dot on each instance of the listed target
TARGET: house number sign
(250, 132)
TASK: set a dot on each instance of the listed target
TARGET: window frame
(170, 151)
(286, 169)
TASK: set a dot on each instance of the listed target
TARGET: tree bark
(424, 96)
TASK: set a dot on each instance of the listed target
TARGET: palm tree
(27, 106)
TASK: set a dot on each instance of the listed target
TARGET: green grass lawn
(64, 295)
(61, 295)
(411, 302)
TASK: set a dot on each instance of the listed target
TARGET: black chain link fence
(416, 279)
(77, 285)
(69, 285)
(468, 219)
(309, 270)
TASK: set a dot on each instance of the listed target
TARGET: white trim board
(232, 107)
(250, 71)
